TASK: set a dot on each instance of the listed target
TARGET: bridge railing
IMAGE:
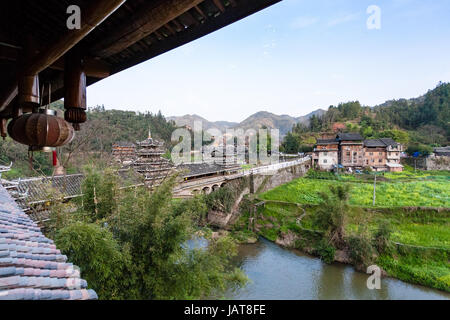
(276, 166)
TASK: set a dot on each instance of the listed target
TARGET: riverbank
(277, 273)
(419, 244)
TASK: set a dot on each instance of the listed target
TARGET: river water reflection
(277, 273)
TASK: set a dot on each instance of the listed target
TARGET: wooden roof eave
(99, 68)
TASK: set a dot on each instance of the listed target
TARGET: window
(371, 153)
(348, 154)
(325, 154)
(380, 153)
(380, 160)
(325, 161)
(373, 160)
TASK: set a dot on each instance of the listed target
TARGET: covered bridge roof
(114, 35)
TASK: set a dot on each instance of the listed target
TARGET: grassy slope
(429, 193)
(421, 228)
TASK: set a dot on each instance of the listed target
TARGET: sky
(293, 58)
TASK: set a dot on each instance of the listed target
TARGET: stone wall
(262, 183)
(437, 163)
(429, 163)
(256, 184)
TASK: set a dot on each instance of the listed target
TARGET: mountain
(256, 121)
(190, 119)
(305, 119)
(408, 102)
(421, 123)
(282, 122)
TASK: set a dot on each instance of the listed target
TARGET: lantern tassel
(55, 158)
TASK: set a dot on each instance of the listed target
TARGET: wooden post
(252, 185)
(93, 15)
(374, 189)
(74, 89)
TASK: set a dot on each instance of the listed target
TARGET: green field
(422, 234)
(388, 194)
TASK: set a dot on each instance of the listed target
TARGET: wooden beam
(210, 25)
(178, 25)
(92, 16)
(199, 10)
(9, 53)
(93, 67)
(219, 5)
(168, 27)
(146, 21)
(159, 35)
(192, 20)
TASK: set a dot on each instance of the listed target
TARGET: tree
(291, 143)
(423, 150)
(331, 216)
(102, 262)
(398, 135)
(132, 243)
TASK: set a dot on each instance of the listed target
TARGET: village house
(375, 154)
(325, 154)
(351, 151)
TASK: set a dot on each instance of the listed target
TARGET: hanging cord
(30, 159)
(42, 95)
(49, 95)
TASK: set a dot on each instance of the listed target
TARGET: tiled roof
(389, 142)
(350, 136)
(326, 141)
(124, 144)
(31, 267)
(443, 151)
(374, 143)
(383, 142)
(196, 169)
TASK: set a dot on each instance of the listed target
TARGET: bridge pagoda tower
(150, 163)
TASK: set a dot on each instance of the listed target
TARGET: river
(280, 274)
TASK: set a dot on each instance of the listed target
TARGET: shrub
(98, 255)
(361, 250)
(325, 252)
(382, 237)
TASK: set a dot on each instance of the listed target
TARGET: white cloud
(303, 22)
(343, 19)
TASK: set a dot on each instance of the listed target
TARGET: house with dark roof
(351, 150)
(326, 154)
(438, 160)
(375, 154)
(442, 151)
(383, 154)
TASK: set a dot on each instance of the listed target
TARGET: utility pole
(374, 188)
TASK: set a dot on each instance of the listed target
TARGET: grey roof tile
(350, 136)
(31, 267)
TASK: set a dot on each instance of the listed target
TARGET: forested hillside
(420, 123)
(103, 128)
